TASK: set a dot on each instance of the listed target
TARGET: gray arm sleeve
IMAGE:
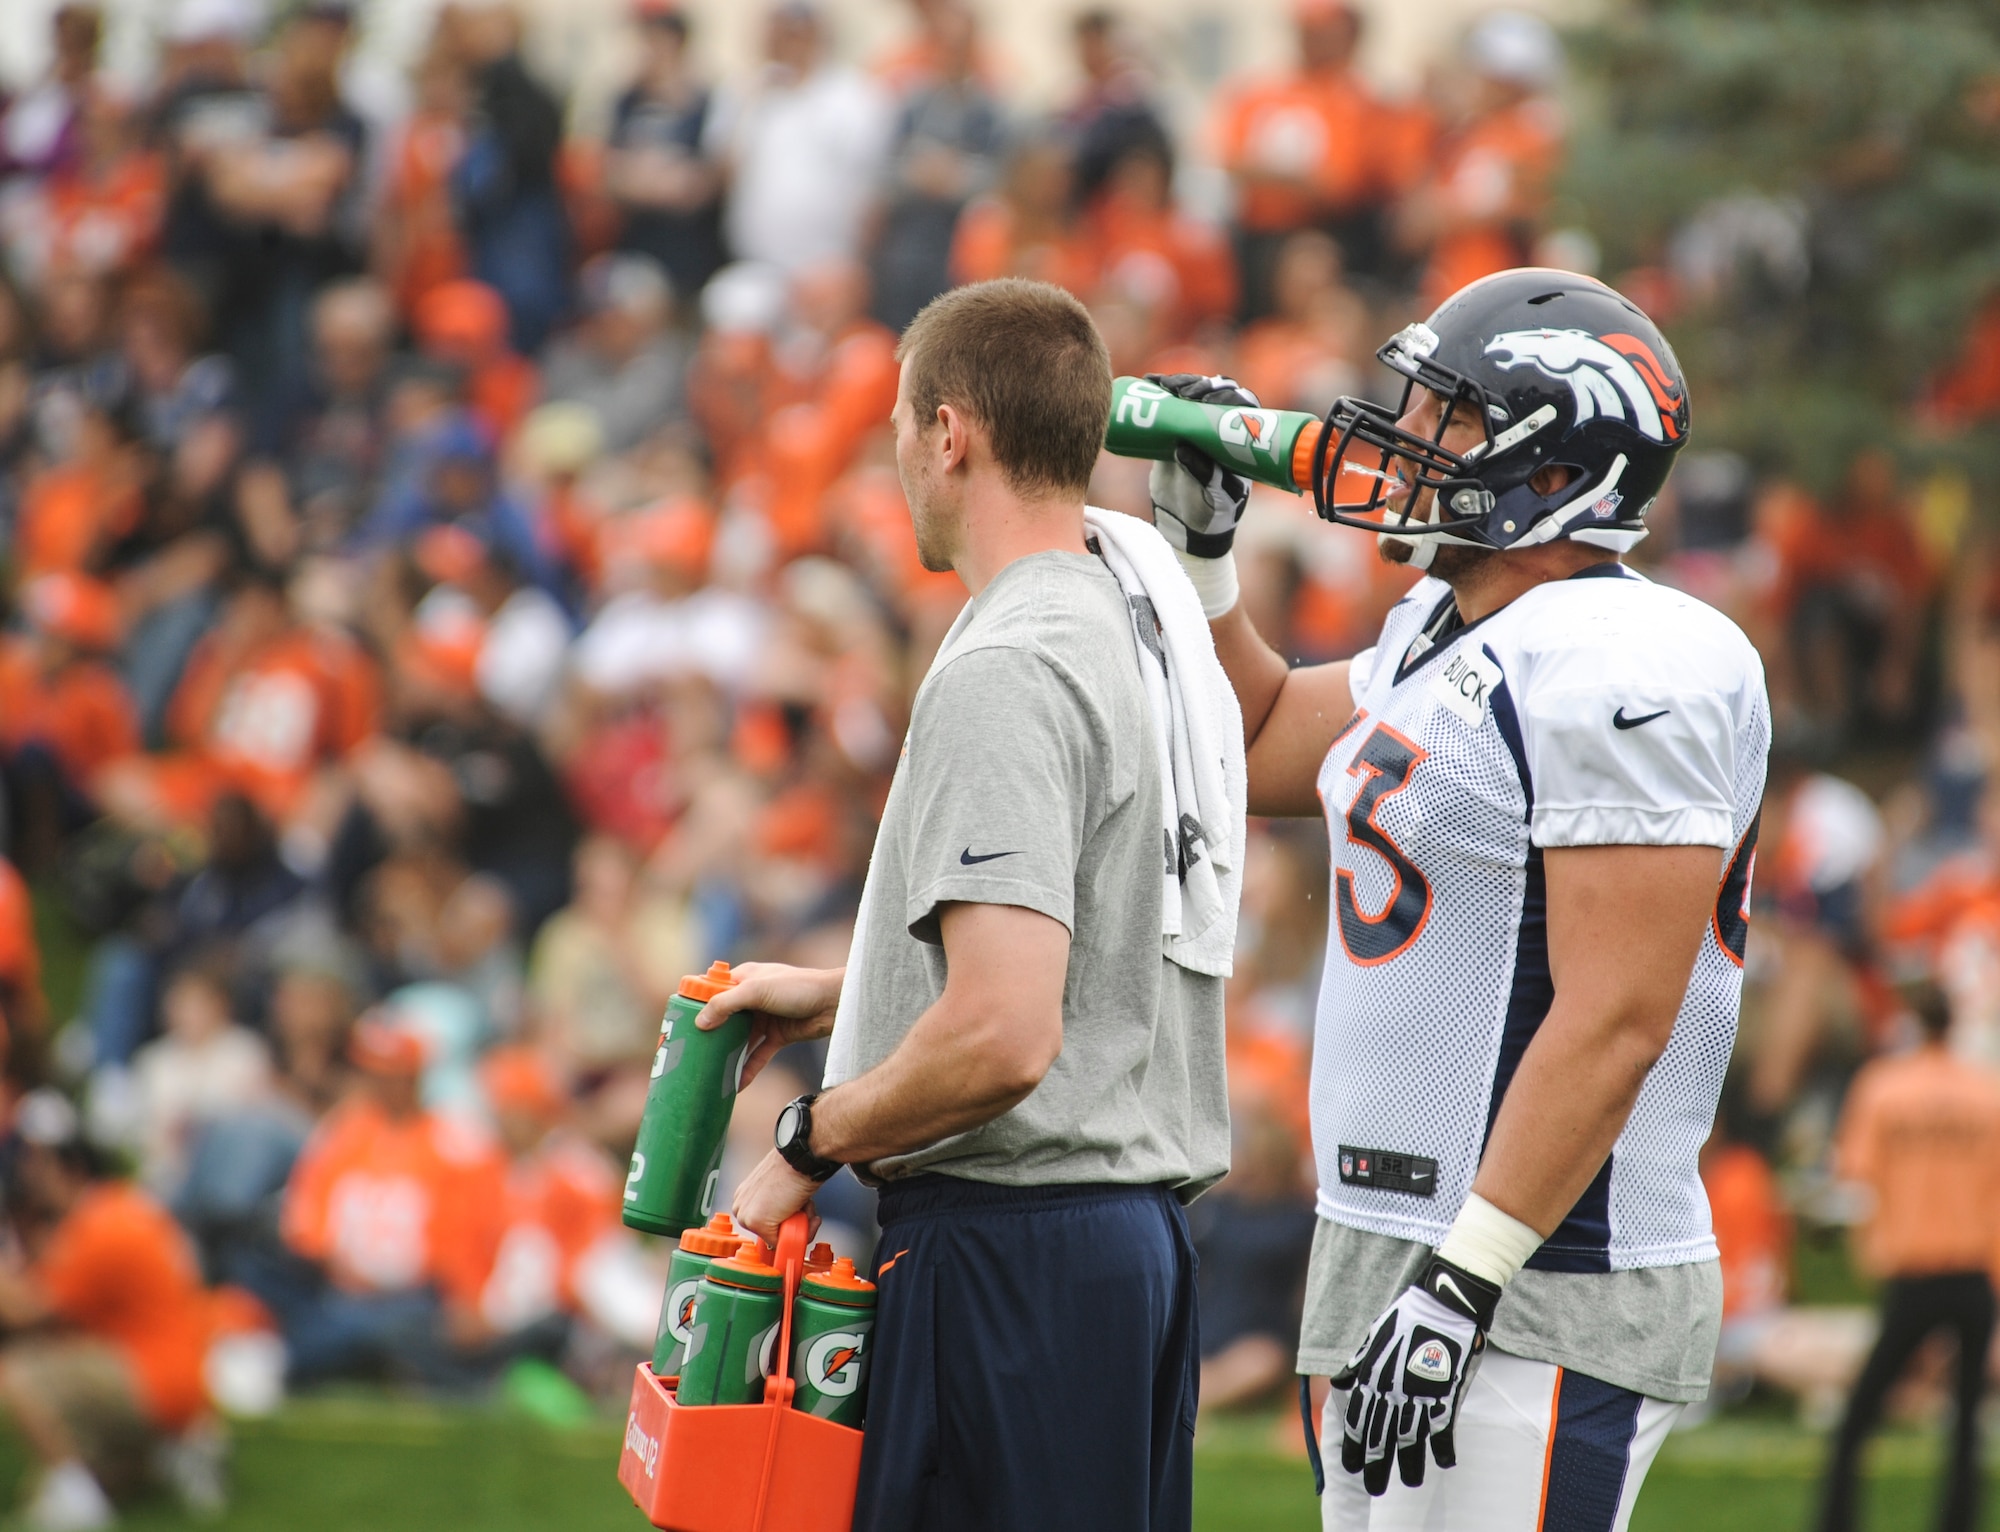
(998, 751)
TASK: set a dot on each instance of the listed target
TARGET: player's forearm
(1290, 717)
(1625, 924)
(960, 1066)
(1569, 1101)
(1256, 671)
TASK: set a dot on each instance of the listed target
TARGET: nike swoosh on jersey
(967, 859)
(1620, 721)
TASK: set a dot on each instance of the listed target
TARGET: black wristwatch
(794, 1135)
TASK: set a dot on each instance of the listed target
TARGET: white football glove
(1407, 1379)
(1197, 503)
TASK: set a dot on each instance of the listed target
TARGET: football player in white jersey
(1541, 788)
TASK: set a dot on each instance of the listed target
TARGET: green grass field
(349, 1464)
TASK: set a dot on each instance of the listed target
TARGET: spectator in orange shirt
(840, 365)
(1304, 151)
(397, 1212)
(1149, 255)
(64, 713)
(464, 323)
(561, 1203)
(116, 1323)
(730, 382)
(417, 247)
(265, 706)
(1310, 351)
(1026, 228)
(103, 210)
(74, 510)
(1950, 925)
(1921, 1132)
(1480, 207)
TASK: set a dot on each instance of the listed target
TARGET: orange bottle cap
(1302, 459)
(717, 1237)
(820, 1257)
(706, 986)
(746, 1268)
(840, 1284)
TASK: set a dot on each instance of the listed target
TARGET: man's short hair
(1025, 361)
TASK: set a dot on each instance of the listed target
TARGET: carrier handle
(790, 1259)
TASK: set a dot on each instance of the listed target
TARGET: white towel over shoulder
(1198, 729)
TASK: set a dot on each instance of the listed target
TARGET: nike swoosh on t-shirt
(966, 858)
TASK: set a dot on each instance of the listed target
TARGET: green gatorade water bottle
(831, 1325)
(697, 1250)
(1271, 446)
(678, 1157)
(733, 1342)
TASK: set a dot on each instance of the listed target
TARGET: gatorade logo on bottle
(1252, 430)
(833, 1363)
(680, 1310)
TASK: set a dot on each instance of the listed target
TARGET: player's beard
(1449, 562)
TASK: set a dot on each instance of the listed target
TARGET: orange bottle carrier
(741, 1467)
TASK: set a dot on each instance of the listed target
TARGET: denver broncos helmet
(1556, 368)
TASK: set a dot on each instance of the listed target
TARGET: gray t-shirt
(1030, 777)
(1652, 1330)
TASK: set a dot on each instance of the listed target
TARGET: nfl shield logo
(1432, 1361)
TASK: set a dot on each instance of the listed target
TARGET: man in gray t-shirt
(1036, 1087)
(1030, 779)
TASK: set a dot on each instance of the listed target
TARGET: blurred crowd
(456, 583)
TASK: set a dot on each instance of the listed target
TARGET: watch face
(788, 1123)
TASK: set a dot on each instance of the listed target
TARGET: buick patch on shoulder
(1464, 684)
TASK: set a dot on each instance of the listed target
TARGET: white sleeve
(1631, 749)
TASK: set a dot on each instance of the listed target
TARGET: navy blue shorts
(1036, 1361)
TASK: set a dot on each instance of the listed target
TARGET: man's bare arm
(981, 1049)
(1625, 925)
(1290, 717)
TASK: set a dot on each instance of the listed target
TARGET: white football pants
(1540, 1449)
